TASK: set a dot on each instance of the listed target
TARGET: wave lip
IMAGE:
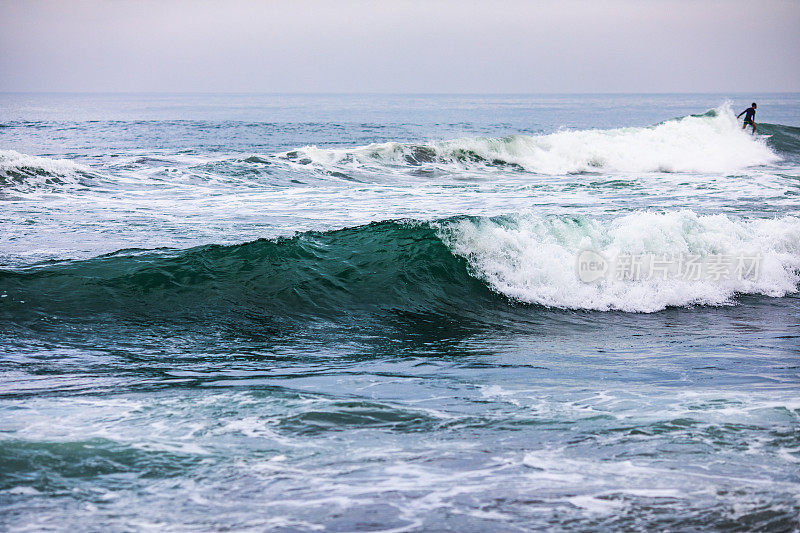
(710, 143)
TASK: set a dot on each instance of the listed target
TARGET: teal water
(362, 313)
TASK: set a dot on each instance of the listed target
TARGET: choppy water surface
(362, 313)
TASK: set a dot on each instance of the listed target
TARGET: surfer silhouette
(749, 114)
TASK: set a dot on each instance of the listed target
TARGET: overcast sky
(400, 46)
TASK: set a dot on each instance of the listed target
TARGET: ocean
(399, 313)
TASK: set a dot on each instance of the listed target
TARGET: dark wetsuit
(748, 113)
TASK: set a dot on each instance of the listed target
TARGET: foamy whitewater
(396, 313)
(709, 143)
(25, 173)
(533, 259)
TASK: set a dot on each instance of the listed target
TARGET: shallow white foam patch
(710, 143)
(533, 259)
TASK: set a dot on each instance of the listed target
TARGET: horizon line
(381, 93)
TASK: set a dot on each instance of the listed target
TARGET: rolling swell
(385, 265)
(453, 266)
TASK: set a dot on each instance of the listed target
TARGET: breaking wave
(710, 143)
(452, 266)
(533, 259)
(23, 172)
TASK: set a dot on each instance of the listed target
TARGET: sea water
(367, 313)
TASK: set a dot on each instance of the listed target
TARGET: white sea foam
(709, 143)
(532, 258)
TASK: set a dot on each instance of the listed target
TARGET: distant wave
(709, 143)
(451, 266)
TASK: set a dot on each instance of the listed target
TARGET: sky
(400, 46)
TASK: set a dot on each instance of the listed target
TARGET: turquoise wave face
(387, 265)
(785, 139)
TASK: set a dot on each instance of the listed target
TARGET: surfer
(749, 114)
